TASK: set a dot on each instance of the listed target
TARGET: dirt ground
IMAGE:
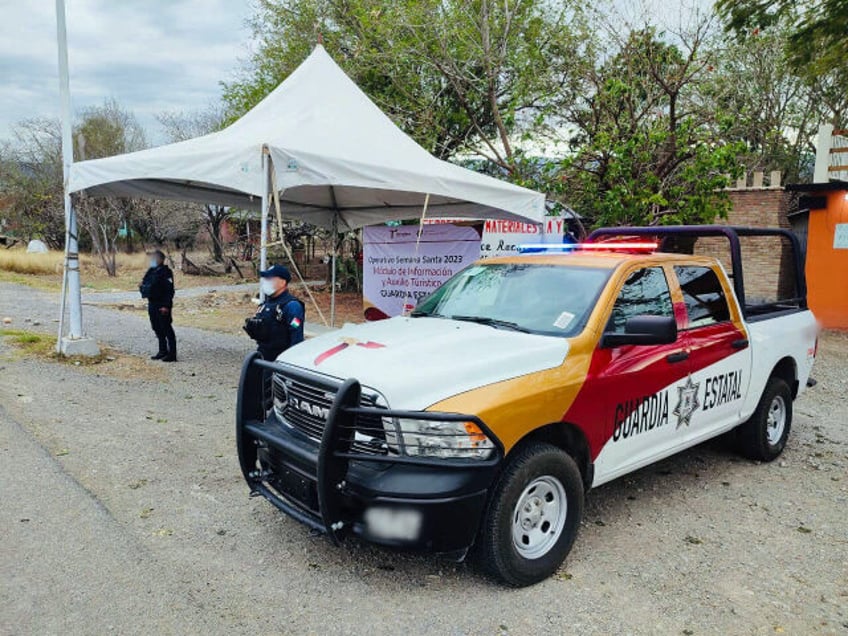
(225, 311)
(123, 510)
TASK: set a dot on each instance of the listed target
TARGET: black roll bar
(732, 234)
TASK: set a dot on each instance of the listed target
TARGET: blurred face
(155, 260)
(273, 285)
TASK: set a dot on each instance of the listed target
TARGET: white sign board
(840, 237)
(396, 275)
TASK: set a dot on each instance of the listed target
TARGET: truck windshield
(543, 299)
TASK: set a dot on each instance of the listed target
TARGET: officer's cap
(277, 271)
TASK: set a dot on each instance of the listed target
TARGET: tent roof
(333, 151)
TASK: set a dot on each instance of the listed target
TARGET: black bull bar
(334, 453)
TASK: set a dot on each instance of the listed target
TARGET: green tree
(31, 182)
(460, 76)
(775, 111)
(648, 150)
(818, 41)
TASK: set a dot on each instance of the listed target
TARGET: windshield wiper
(492, 322)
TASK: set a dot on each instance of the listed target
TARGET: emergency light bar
(611, 246)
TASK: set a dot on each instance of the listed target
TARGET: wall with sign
(502, 238)
(397, 273)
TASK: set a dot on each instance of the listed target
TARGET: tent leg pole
(408, 305)
(335, 233)
(263, 234)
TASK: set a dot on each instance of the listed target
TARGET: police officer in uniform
(278, 323)
(158, 288)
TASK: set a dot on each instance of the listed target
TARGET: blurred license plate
(393, 523)
(297, 487)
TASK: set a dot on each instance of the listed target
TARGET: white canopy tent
(334, 159)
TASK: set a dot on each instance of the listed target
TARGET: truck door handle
(742, 343)
(678, 356)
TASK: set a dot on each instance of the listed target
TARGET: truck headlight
(431, 438)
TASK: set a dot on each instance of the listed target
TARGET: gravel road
(94, 297)
(123, 510)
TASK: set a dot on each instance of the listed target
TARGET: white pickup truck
(479, 421)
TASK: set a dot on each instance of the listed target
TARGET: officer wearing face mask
(158, 288)
(278, 323)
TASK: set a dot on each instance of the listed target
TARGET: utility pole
(74, 343)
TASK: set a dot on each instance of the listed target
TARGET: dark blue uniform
(278, 325)
(158, 288)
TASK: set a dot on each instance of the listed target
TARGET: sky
(160, 55)
(149, 55)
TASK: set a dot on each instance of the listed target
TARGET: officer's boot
(163, 349)
(171, 355)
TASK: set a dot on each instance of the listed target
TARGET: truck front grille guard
(336, 449)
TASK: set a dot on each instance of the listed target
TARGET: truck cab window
(645, 292)
(705, 301)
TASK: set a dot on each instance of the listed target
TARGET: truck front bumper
(412, 503)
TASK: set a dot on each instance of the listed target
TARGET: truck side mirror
(643, 330)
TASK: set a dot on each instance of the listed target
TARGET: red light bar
(613, 245)
(610, 246)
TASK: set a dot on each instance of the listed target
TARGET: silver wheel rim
(539, 517)
(776, 421)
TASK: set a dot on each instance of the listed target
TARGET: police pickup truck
(479, 421)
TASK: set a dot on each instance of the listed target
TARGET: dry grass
(45, 271)
(109, 362)
(21, 262)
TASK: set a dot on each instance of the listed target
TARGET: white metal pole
(71, 244)
(266, 202)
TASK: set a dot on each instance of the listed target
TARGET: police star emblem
(687, 402)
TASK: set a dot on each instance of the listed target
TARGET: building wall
(767, 262)
(827, 265)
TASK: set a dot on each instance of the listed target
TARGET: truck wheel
(533, 516)
(763, 437)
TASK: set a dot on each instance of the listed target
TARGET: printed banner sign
(395, 276)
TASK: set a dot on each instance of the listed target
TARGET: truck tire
(533, 516)
(763, 437)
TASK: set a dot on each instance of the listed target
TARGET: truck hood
(416, 362)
